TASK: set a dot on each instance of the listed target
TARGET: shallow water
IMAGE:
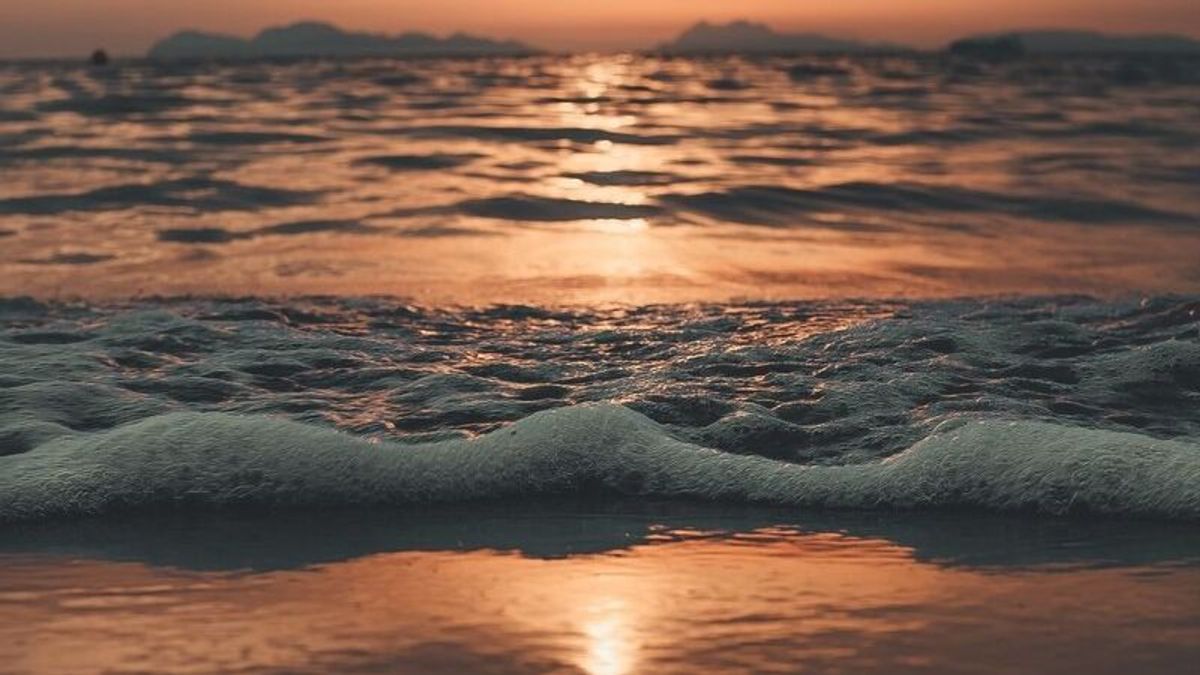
(1052, 405)
(631, 588)
(601, 178)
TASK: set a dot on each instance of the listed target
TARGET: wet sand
(602, 590)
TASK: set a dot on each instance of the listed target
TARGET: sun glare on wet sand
(761, 600)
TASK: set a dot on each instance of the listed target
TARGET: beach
(602, 364)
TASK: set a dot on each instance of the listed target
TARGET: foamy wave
(1045, 405)
(198, 460)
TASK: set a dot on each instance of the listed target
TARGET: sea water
(596, 179)
(600, 364)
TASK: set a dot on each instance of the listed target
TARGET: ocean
(603, 364)
(601, 179)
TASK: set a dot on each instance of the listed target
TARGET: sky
(35, 28)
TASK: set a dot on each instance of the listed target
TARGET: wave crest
(206, 460)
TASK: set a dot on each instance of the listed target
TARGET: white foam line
(216, 459)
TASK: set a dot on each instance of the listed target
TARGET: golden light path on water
(586, 180)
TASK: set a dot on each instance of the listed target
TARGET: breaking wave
(1053, 406)
(222, 460)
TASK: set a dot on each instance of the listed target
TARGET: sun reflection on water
(768, 599)
(190, 181)
(609, 642)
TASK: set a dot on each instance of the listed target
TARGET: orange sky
(69, 27)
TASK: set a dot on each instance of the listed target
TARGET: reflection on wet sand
(653, 589)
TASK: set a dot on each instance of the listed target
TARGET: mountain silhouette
(756, 38)
(1084, 42)
(311, 38)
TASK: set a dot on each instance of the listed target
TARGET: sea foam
(1053, 405)
(188, 460)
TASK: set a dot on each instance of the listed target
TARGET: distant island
(1018, 43)
(310, 38)
(745, 37)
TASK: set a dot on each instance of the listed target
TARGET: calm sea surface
(601, 179)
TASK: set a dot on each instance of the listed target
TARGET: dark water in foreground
(357, 485)
(1051, 405)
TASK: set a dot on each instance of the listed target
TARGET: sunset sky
(69, 27)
